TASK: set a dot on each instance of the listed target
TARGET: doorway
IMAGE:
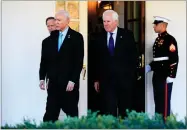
(134, 20)
(132, 17)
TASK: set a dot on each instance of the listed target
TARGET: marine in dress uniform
(164, 66)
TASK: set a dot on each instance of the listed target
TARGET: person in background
(50, 23)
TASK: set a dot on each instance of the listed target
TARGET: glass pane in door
(136, 30)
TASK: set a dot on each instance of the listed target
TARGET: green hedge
(93, 121)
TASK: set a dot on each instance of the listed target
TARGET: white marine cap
(159, 19)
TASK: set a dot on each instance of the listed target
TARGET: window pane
(130, 24)
(129, 16)
(136, 7)
(136, 29)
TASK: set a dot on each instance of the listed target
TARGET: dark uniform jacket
(165, 55)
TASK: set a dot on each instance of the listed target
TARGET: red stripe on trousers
(166, 96)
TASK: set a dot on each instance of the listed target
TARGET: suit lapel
(105, 42)
(118, 37)
(55, 36)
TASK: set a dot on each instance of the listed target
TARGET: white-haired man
(115, 66)
(64, 61)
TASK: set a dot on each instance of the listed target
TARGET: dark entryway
(132, 17)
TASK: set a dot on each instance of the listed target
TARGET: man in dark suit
(115, 66)
(63, 61)
(50, 23)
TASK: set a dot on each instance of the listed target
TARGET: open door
(134, 20)
(131, 16)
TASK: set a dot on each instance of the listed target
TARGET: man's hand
(169, 80)
(42, 84)
(96, 86)
(147, 68)
(70, 86)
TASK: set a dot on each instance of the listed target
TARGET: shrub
(134, 120)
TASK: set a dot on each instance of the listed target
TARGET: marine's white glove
(147, 68)
(169, 80)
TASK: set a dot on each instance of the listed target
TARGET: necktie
(60, 40)
(111, 44)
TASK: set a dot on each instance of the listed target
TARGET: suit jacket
(123, 64)
(42, 70)
(66, 64)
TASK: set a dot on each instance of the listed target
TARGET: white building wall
(23, 29)
(0, 63)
